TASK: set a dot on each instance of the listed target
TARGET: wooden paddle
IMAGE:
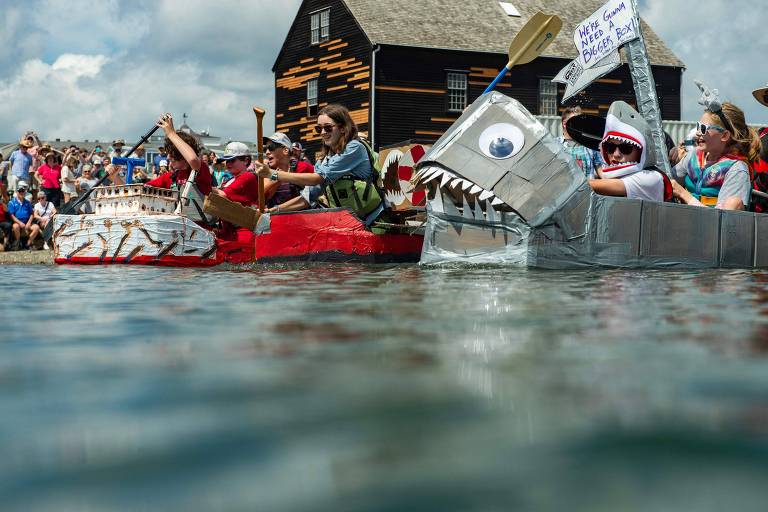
(73, 205)
(530, 42)
(260, 145)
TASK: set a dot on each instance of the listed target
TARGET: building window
(320, 26)
(457, 91)
(547, 97)
(312, 97)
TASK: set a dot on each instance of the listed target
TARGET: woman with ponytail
(718, 174)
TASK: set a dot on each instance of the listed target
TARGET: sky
(102, 69)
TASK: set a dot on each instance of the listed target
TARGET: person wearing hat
(279, 152)
(21, 211)
(760, 167)
(21, 162)
(183, 158)
(242, 188)
(49, 176)
(117, 148)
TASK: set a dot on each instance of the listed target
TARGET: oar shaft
(260, 147)
(496, 80)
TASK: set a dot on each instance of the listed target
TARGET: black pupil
(501, 147)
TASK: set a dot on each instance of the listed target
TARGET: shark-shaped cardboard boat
(501, 190)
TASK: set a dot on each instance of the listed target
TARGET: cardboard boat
(138, 225)
(503, 191)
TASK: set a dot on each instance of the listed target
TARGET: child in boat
(242, 187)
(627, 150)
(343, 155)
(183, 156)
(717, 173)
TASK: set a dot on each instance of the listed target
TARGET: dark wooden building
(406, 68)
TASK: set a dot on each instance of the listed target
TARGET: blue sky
(103, 69)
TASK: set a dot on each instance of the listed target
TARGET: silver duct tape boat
(502, 191)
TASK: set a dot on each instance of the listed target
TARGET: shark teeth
(622, 140)
(455, 193)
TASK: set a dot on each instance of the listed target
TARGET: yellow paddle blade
(534, 38)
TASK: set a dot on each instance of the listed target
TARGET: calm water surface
(336, 388)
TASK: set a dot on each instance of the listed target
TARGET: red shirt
(203, 181)
(303, 166)
(50, 175)
(243, 189)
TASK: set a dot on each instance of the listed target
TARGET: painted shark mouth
(619, 138)
(469, 199)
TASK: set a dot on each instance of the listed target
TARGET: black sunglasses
(273, 146)
(625, 148)
(327, 128)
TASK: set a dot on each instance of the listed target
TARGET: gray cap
(279, 138)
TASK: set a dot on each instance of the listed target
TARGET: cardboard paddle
(72, 206)
(260, 145)
(530, 42)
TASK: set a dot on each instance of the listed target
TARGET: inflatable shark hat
(497, 157)
(625, 125)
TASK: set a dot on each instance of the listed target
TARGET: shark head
(625, 125)
(496, 166)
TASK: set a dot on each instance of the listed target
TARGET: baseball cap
(234, 150)
(761, 95)
(297, 145)
(22, 185)
(118, 141)
(96, 160)
(163, 163)
(279, 138)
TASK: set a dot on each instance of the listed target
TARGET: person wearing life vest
(242, 187)
(760, 178)
(344, 171)
(718, 173)
(627, 150)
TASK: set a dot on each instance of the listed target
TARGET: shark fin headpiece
(710, 100)
(625, 125)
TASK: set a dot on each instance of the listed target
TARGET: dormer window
(320, 26)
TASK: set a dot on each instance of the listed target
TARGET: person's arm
(302, 180)
(36, 216)
(609, 187)
(681, 193)
(292, 205)
(166, 123)
(736, 189)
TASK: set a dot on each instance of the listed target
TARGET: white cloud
(720, 43)
(74, 66)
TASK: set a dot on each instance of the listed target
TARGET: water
(395, 388)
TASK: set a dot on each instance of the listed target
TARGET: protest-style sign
(576, 78)
(614, 24)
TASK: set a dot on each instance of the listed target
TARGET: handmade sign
(576, 78)
(614, 24)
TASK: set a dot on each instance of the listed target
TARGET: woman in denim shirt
(342, 155)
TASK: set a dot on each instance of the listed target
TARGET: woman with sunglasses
(343, 155)
(717, 174)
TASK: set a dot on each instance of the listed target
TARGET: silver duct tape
(572, 218)
(680, 235)
(617, 223)
(645, 90)
(737, 239)
(761, 241)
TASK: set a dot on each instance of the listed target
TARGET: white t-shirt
(648, 185)
(46, 211)
(68, 187)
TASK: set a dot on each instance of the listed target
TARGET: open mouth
(469, 199)
(622, 162)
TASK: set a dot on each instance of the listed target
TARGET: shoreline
(26, 258)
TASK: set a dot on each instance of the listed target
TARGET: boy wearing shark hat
(627, 150)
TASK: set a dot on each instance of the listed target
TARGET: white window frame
(311, 95)
(320, 26)
(547, 97)
(456, 82)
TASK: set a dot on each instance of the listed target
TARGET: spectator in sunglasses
(717, 173)
(343, 156)
(627, 150)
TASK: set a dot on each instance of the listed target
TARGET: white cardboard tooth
(475, 189)
(466, 185)
(446, 178)
(456, 182)
(467, 210)
(436, 204)
(497, 202)
(436, 174)
(486, 194)
(479, 211)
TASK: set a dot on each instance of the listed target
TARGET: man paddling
(242, 187)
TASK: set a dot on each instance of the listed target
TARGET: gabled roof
(481, 25)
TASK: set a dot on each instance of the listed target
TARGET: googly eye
(501, 140)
